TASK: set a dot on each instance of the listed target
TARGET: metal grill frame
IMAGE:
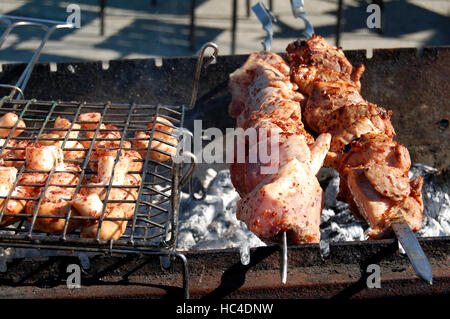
(48, 26)
(171, 174)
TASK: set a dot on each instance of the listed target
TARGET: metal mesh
(153, 223)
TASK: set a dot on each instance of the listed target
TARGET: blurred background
(127, 29)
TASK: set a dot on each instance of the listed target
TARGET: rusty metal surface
(220, 274)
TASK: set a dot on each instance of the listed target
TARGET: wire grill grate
(154, 220)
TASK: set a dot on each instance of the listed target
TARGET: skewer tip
(428, 277)
(284, 258)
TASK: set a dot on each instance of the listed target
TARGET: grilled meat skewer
(372, 166)
(289, 198)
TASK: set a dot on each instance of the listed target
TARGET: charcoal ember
(185, 240)
(337, 221)
(436, 201)
(200, 228)
(197, 216)
(211, 223)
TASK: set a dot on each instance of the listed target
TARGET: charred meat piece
(372, 166)
(374, 179)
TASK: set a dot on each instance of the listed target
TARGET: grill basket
(152, 228)
(154, 222)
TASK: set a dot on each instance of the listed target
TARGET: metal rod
(36, 20)
(338, 23)
(233, 27)
(198, 70)
(414, 251)
(14, 89)
(265, 17)
(299, 12)
(192, 26)
(49, 26)
(284, 258)
(102, 17)
(7, 31)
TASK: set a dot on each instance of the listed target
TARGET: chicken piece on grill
(339, 108)
(317, 59)
(75, 148)
(11, 156)
(286, 196)
(110, 228)
(56, 201)
(270, 96)
(7, 178)
(373, 168)
(46, 155)
(90, 204)
(39, 161)
(21, 195)
(43, 158)
(290, 200)
(7, 123)
(108, 142)
(163, 145)
(247, 174)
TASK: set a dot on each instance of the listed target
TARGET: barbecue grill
(220, 273)
(153, 227)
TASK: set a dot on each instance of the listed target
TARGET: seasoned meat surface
(286, 196)
(372, 166)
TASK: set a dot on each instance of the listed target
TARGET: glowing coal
(211, 223)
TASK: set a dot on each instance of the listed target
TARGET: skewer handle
(299, 12)
(198, 69)
(265, 17)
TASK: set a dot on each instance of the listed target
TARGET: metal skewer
(299, 12)
(413, 249)
(191, 106)
(266, 18)
(199, 67)
(284, 258)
